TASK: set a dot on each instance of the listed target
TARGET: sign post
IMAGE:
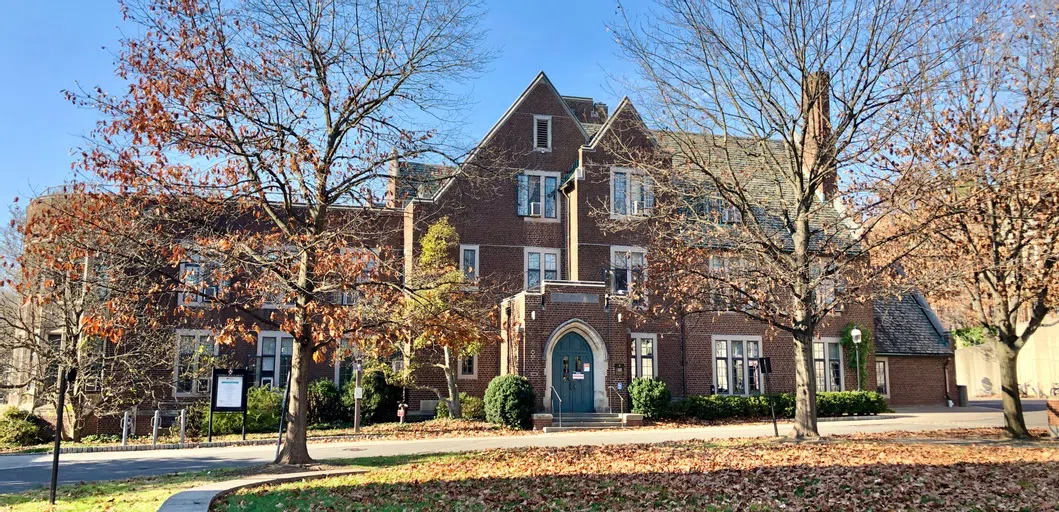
(358, 393)
(228, 394)
(764, 366)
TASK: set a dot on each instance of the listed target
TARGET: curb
(200, 498)
(182, 446)
(860, 418)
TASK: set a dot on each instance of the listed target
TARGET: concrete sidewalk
(20, 472)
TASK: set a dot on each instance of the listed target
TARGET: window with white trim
(827, 361)
(541, 265)
(200, 281)
(469, 262)
(469, 367)
(631, 192)
(542, 133)
(538, 195)
(190, 368)
(643, 353)
(274, 352)
(735, 367)
(629, 265)
(723, 212)
(882, 376)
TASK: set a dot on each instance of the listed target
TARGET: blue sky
(45, 48)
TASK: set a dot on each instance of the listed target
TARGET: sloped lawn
(862, 473)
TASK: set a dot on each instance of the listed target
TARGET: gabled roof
(623, 105)
(541, 78)
(906, 325)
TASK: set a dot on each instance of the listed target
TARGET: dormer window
(542, 133)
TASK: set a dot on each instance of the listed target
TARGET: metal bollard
(125, 429)
(155, 422)
(183, 423)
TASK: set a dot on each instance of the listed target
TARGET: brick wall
(920, 380)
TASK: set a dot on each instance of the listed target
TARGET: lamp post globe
(856, 335)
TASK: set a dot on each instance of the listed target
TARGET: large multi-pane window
(827, 361)
(200, 282)
(643, 356)
(538, 194)
(632, 193)
(735, 369)
(274, 352)
(191, 375)
(541, 265)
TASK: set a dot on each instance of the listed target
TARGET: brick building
(535, 230)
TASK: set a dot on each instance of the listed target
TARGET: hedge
(473, 408)
(380, 400)
(650, 397)
(510, 401)
(839, 403)
(262, 414)
(23, 428)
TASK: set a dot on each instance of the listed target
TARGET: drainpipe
(683, 356)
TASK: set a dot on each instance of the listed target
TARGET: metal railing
(560, 399)
(621, 399)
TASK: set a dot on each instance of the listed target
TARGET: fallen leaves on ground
(833, 474)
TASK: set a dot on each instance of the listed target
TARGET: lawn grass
(834, 474)
(134, 495)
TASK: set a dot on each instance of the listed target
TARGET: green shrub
(23, 428)
(325, 406)
(379, 404)
(650, 397)
(473, 408)
(262, 414)
(510, 401)
(715, 407)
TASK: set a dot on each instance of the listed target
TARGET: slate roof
(754, 164)
(591, 128)
(420, 180)
(907, 325)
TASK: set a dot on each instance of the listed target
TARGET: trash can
(961, 396)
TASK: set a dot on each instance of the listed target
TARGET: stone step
(588, 424)
(565, 428)
(589, 415)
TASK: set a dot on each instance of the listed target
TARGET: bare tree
(760, 108)
(266, 127)
(985, 153)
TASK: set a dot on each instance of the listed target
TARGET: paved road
(1028, 404)
(20, 472)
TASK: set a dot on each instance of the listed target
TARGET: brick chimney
(816, 101)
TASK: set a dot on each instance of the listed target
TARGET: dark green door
(569, 374)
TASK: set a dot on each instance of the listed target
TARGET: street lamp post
(856, 335)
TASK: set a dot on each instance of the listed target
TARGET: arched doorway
(572, 373)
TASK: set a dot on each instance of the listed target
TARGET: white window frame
(543, 189)
(636, 358)
(542, 250)
(193, 298)
(728, 338)
(178, 333)
(548, 120)
(630, 175)
(279, 335)
(886, 374)
(474, 364)
(616, 250)
(827, 364)
(477, 257)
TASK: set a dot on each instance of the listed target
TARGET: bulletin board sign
(229, 390)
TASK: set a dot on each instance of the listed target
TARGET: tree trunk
(451, 367)
(1014, 422)
(804, 388)
(295, 449)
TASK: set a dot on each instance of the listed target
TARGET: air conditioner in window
(640, 208)
(535, 209)
(266, 382)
